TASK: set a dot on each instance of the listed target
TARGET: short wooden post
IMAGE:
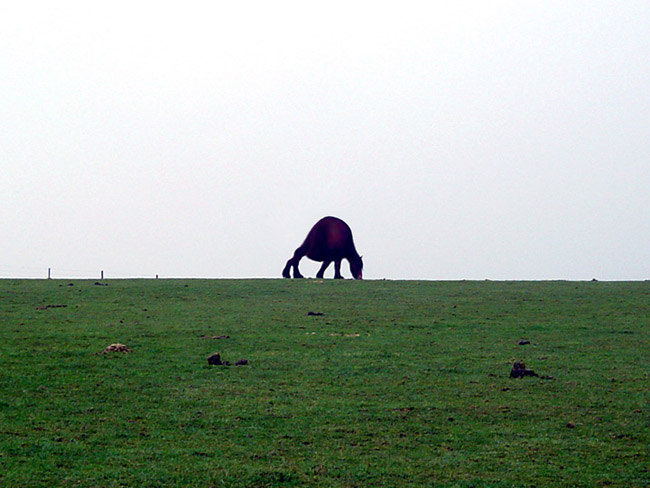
(102, 274)
(49, 273)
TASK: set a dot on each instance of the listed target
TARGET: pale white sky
(459, 140)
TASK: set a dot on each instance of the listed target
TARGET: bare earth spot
(46, 307)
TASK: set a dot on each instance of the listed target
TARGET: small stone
(117, 348)
(570, 425)
(523, 342)
(241, 362)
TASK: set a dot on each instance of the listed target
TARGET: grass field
(395, 384)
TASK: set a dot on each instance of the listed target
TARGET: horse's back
(328, 239)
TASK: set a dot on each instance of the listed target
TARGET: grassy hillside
(395, 384)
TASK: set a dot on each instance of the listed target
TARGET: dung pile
(519, 371)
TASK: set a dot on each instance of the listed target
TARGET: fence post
(102, 274)
(49, 273)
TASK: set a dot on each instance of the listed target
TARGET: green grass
(396, 384)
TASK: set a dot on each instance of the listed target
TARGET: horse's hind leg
(296, 271)
(293, 263)
(286, 272)
(337, 270)
(322, 269)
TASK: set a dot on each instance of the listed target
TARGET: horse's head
(356, 268)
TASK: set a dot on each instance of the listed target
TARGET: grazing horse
(330, 239)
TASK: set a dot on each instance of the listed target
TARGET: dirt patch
(47, 307)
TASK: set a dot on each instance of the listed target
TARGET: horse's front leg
(337, 270)
(322, 269)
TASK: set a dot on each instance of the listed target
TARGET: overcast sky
(459, 140)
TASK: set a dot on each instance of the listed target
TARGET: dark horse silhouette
(330, 239)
